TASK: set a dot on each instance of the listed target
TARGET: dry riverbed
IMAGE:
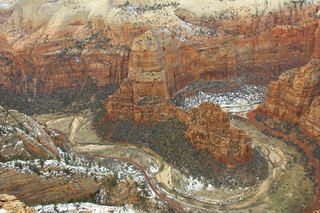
(286, 187)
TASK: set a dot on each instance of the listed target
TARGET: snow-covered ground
(70, 166)
(238, 100)
(81, 207)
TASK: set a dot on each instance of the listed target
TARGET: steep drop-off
(155, 75)
(52, 44)
(294, 97)
(11, 204)
(208, 128)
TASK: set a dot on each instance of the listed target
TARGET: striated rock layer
(51, 44)
(155, 75)
(295, 97)
(38, 166)
(20, 134)
(209, 128)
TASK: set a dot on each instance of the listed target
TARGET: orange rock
(209, 128)
(154, 76)
(10, 204)
(58, 54)
(294, 97)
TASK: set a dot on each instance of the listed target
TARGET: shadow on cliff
(85, 95)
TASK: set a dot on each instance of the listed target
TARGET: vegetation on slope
(288, 129)
(86, 95)
(168, 140)
(292, 131)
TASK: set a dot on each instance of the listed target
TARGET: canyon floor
(161, 105)
(287, 188)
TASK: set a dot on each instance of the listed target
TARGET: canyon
(39, 167)
(143, 65)
(294, 97)
(67, 41)
(208, 128)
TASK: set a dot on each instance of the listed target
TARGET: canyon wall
(153, 49)
(208, 128)
(47, 45)
(295, 97)
(155, 75)
(164, 60)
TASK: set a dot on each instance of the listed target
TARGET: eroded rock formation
(47, 45)
(155, 75)
(38, 166)
(20, 134)
(295, 97)
(209, 128)
(11, 204)
(152, 49)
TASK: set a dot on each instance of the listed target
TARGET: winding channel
(315, 164)
(178, 197)
(166, 191)
(148, 181)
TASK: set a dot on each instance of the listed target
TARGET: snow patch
(239, 100)
(81, 207)
(194, 184)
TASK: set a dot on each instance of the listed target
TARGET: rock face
(55, 44)
(20, 134)
(38, 166)
(209, 128)
(295, 97)
(164, 60)
(47, 45)
(11, 205)
(152, 49)
(310, 120)
(155, 75)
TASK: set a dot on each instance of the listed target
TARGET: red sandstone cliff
(54, 44)
(35, 170)
(153, 50)
(295, 97)
(155, 75)
(11, 204)
(208, 128)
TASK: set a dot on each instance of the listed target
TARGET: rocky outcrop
(38, 166)
(35, 189)
(310, 120)
(21, 136)
(144, 98)
(294, 97)
(165, 60)
(155, 75)
(208, 128)
(11, 204)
